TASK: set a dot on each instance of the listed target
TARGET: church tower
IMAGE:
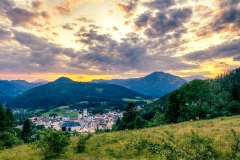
(80, 115)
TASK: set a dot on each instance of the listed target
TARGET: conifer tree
(10, 120)
(27, 131)
(129, 117)
(3, 126)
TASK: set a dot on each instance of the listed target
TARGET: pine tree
(27, 131)
(172, 109)
(3, 125)
(129, 117)
(139, 123)
(10, 120)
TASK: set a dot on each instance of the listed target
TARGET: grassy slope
(58, 112)
(112, 145)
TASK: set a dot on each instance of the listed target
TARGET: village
(85, 122)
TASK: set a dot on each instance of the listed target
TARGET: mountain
(190, 78)
(9, 88)
(24, 85)
(155, 84)
(15, 87)
(64, 91)
(4, 98)
(43, 81)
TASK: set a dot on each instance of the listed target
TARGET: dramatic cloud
(119, 37)
(62, 10)
(231, 49)
(42, 53)
(46, 15)
(37, 5)
(6, 5)
(22, 17)
(129, 8)
(65, 8)
(160, 4)
(5, 36)
(142, 20)
(162, 23)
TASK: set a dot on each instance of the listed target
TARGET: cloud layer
(154, 35)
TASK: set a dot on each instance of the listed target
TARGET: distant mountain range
(43, 81)
(64, 91)
(15, 87)
(156, 84)
(190, 78)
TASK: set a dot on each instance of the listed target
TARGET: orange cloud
(37, 5)
(129, 8)
(46, 15)
(66, 8)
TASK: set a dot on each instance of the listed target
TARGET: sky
(109, 39)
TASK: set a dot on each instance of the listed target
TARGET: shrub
(236, 146)
(81, 143)
(8, 140)
(53, 143)
(200, 148)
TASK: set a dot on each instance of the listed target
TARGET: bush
(53, 143)
(81, 145)
(236, 146)
(8, 140)
(200, 148)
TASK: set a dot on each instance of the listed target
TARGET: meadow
(204, 139)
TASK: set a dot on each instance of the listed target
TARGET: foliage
(235, 146)
(172, 109)
(10, 120)
(128, 120)
(27, 131)
(139, 123)
(8, 140)
(53, 143)
(3, 125)
(81, 144)
(8, 133)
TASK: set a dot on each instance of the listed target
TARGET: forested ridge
(198, 99)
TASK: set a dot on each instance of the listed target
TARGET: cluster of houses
(85, 122)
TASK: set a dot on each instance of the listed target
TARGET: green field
(137, 99)
(57, 111)
(206, 139)
(130, 100)
(60, 113)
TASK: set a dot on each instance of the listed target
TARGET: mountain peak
(158, 76)
(63, 80)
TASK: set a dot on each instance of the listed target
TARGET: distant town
(85, 122)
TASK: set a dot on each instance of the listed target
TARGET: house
(71, 124)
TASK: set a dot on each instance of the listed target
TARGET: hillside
(4, 98)
(15, 87)
(207, 139)
(155, 84)
(64, 91)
